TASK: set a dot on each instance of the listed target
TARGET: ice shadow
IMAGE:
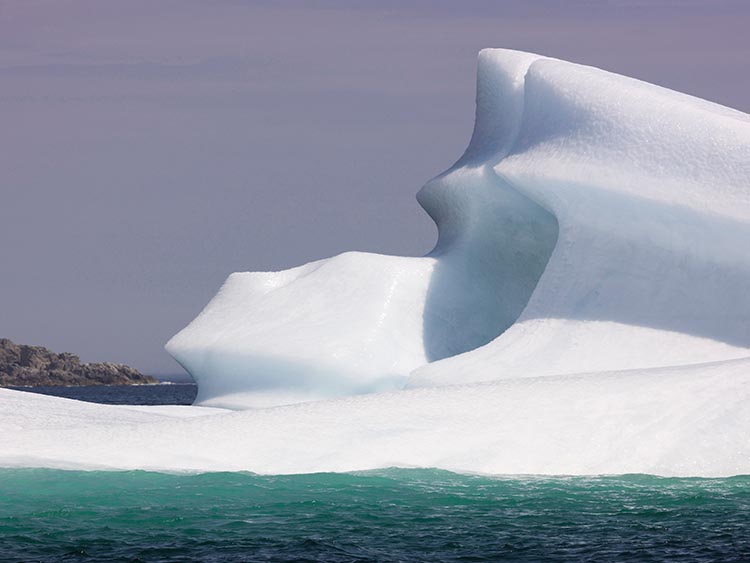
(617, 257)
(493, 246)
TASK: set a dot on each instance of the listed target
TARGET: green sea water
(388, 515)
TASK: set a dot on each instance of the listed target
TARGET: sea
(398, 515)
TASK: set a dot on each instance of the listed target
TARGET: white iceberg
(595, 223)
(585, 310)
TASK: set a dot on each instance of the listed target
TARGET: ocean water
(388, 515)
(169, 394)
(400, 515)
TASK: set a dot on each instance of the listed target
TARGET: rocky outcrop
(22, 365)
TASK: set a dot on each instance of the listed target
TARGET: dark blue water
(405, 515)
(171, 394)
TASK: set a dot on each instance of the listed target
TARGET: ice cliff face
(595, 223)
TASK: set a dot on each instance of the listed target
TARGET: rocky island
(30, 366)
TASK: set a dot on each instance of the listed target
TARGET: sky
(149, 148)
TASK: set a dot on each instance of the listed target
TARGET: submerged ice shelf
(585, 310)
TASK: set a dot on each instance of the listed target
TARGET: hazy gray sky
(150, 148)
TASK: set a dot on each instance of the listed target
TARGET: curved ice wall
(595, 223)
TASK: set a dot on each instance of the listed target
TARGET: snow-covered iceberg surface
(667, 421)
(595, 223)
(585, 310)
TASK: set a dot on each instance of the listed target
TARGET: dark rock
(29, 366)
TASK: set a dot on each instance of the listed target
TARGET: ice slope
(667, 421)
(594, 223)
(585, 310)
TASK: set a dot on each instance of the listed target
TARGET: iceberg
(584, 311)
(595, 223)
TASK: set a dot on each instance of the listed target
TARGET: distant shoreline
(22, 365)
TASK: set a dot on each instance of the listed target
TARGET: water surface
(388, 515)
(165, 394)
